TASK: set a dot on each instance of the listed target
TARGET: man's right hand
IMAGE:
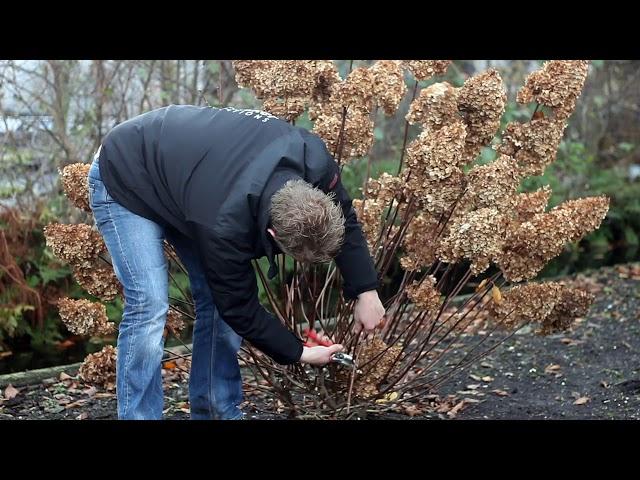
(319, 355)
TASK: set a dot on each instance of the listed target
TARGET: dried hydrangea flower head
(247, 73)
(557, 85)
(481, 102)
(436, 196)
(425, 295)
(77, 244)
(175, 321)
(100, 368)
(530, 245)
(378, 361)
(425, 69)
(573, 303)
(436, 105)
(346, 136)
(379, 194)
(288, 108)
(551, 305)
(276, 78)
(526, 205)
(533, 145)
(478, 236)
(74, 183)
(83, 317)
(436, 154)
(326, 76)
(419, 242)
(493, 184)
(356, 92)
(388, 84)
(526, 303)
(99, 280)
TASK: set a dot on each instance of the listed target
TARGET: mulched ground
(589, 372)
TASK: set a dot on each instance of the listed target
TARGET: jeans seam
(132, 340)
(214, 329)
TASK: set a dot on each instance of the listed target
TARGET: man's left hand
(368, 312)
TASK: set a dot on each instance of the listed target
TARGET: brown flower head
(552, 305)
(530, 245)
(557, 85)
(379, 359)
(425, 295)
(419, 242)
(83, 317)
(493, 185)
(388, 84)
(527, 205)
(74, 183)
(357, 133)
(100, 368)
(436, 196)
(435, 106)
(425, 69)
(326, 76)
(77, 244)
(436, 154)
(478, 236)
(356, 92)
(175, 321)
(572, 303)
(481, 102)
(288, 108)
(99, 280)
(379, 194)
(533, 145)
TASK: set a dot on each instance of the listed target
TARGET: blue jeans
(135, 245)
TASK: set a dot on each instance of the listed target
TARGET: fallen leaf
(82, 416)
(487, 378)
(454, 411)
(91, 391)
(497, 296)
(604, 384)
(486, 365)
(481, 285)
(412, 410)
(551, 368)
(581, 401)
(64, 376)
(500, 393)
(393, 396)
(77, 403)
(169, 365)
(10, 392)
(475, 377)
(104, 395)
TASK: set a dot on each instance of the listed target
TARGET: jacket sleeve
(233, 285)
(354, 260)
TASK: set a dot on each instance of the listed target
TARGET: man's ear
(272, 232)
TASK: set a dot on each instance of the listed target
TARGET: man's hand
(368, 312)
(319, 355)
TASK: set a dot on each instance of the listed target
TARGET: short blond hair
(308, 224)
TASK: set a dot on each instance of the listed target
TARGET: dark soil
(589, 372)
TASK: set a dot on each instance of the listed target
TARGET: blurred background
(56, 112)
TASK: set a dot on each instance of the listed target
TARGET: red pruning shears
(314, 340)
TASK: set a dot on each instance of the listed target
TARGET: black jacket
(210, 173)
